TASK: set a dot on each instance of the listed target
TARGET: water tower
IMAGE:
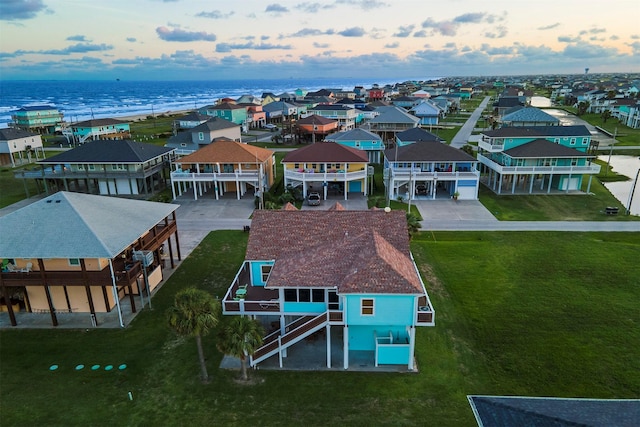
(586, 71)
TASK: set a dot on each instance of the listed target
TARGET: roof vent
(57, 201)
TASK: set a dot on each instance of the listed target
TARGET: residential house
(280, 111)
(328, 168)
(406, 102)
(21, 144)
(314, 128)
(225, 166)
(421, 93)
(83, 253)
(114, 168)
(91, 130)
(190, 120)
(414, 135)
(195, 138)
(38, 118)
(249, 99)
(367, 112)
(430, 170)
(269, 97)
(392, 120)
(228, 111)
(360, 139)
(536, 159)
(346, 116)
(376, 94)
(346, 278)
(428, 112)
(526, 117)
(256, 117)
(629, 115)
(505, 103)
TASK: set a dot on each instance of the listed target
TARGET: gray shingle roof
(76, 225)
(539, 131)
(554, 412)
(542, 148)
(214, 123)
(356, 134)
(98, 122)
(417, 134)
(394, 115)
(529, 114)
(428, 151)
(7, 134)
(117, 151)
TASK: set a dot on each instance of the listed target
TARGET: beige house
(18, 147)
(83, 253)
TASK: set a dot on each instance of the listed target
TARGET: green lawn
(512, 317)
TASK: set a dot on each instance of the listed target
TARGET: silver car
(314, 199)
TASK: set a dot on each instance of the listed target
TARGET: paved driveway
(450, 210)
(356, 202)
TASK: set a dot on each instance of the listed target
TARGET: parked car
(271, 127)
(313, 199)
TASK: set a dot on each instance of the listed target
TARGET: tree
(583, 106)
(606, 114)
(239, 337)
(194, 313)
(413, 223)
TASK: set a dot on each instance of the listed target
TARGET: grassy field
(512, 317)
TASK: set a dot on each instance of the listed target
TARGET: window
(118, 167)
(304, 295)
(74, 261)
(296, 165)
(573, 141)
(556, 140)
(201, 136)
(290, 295)
(265, 270)
(334, 301)
(317, 295)
(366, 307)
(183, 144)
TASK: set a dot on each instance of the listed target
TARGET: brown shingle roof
(326, 152)
(337, 207)
(227, 151)
(289, 207)
(356, 251)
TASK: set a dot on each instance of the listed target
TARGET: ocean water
(83, 100)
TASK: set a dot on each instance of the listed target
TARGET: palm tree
(240, 337)
(413, 223)
(194, 313)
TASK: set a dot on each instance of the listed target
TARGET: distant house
(228, 111)
(91, 130)
(428, 112)
(629, 115)
(314, 128)
(327, 167)
(346, 116)
(113, 168)
(362, 140)
(506, 103)
(413, 135)
(224, 166)
(527, 116)
(190, 121)
(82, 253)
(21, 144)
(279, 111)
(346, 277)
(406, 102)
(195, 138)
(538, 159)
(43, 119)
(430, 170)
(392, 120)
(256, 117)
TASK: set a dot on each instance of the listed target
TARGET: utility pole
(633, 190)
(615, 132)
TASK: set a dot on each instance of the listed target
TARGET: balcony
(543, 170)
(419, 175)
(186, 176)
(324, 176)
(257, 299)
(59, 172)
(490, 147)
(425, 314)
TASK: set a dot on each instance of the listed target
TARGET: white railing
(532, 170)
(210, 176)
(492, 148)
(419, 175)
(325, 176)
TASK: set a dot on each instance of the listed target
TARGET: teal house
(341, 282)
(362, 140)
(94, 129)
(43, 119)
(536, 159)
(232, 112)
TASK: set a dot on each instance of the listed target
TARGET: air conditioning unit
(145, 257)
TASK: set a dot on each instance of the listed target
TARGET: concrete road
(465, 131)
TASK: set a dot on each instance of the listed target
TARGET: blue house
(362, 140)
(537, 159)
(345, 277)
(428, 112)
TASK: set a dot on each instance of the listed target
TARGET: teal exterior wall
(577, 143)
(256, 272)
(304, 307)
(388, 310)
(394, 355)
(355, 187)
(363, 337)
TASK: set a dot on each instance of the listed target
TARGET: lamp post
(633, 190)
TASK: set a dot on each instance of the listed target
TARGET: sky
(251, 39)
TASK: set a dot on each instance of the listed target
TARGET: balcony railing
(250, 175)
(492, 148)
(419, 175)
(533, 170)
(325, 176)
(66, 173)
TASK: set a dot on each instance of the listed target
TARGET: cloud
(393, 45)
(549, 27)
(352, 32)
(13, 10)
(228, 47)
(131, 39)
(593, 31)
(180, 35)
(450, 28)
(214, 14)
(321, 45)
(583, 50)
(501, 31)
(469, 18)
(568, 39)
(421, 33)
(78, 48)
(77, 38)
(309, 32)
(404, 31)
(276, 8)
(313, 7)
(364, 4)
